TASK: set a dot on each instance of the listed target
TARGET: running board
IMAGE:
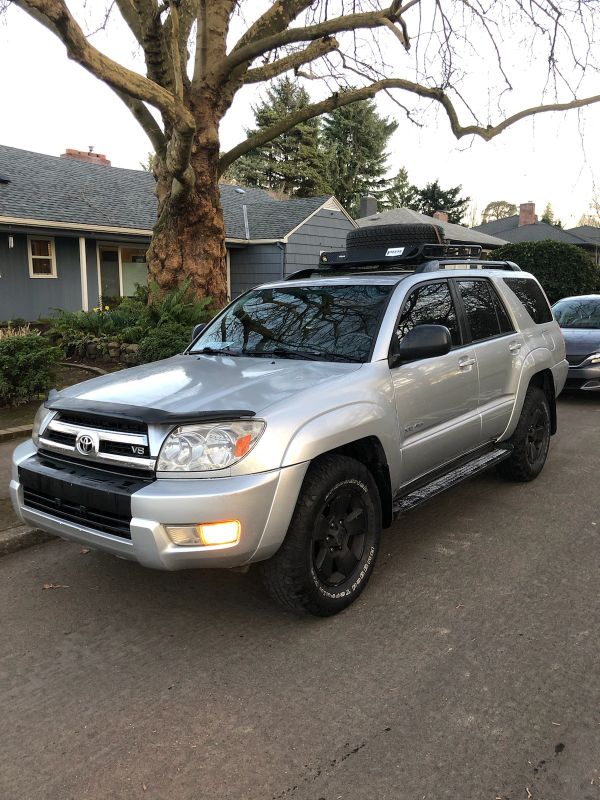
(439, 485)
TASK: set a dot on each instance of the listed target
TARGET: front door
(109, 275)
(436, 398)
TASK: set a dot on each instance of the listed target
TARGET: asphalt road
(469, 669)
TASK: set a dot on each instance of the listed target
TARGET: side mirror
(198, 330)
(423, 341)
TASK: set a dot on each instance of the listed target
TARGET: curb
(15, 539)
(15, 433)
(88, 367)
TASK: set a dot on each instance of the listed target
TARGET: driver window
(430, 304)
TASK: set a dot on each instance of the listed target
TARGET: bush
(133, 321)
(167, 339)
(26, 362)
(562, 269)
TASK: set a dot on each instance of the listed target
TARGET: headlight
(37, 423)
(594, 358)
(199, 448)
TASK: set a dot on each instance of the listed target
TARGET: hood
(581, 341)
(198, 383)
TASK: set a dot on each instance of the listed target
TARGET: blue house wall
(32, 298)
(326, 230)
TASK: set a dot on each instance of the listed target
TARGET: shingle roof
(53, 189)
(587, 232)
(456, 234)
(510, 230)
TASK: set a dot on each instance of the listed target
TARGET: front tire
(330, 549)
(531, 439)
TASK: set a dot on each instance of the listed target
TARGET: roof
(79, 194)
(509, 229)
(456, 234)
(588, 232)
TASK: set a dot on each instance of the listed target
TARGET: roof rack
(406, 254)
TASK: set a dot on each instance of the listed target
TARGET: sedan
(579, 318)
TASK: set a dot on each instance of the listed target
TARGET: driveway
(469, 669)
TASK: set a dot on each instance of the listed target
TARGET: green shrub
(562, 269)
(167, 339)
(134, 320)
(26, 363)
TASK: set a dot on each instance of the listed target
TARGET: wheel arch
(369, 452)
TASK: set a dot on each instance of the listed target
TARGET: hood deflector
(151, 416)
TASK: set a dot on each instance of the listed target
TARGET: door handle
(515, 347)
(466, 363)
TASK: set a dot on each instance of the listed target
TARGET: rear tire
(330, 549)
(531, 439)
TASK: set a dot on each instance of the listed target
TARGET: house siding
(31, 298)
(326, 230)
(253, 265)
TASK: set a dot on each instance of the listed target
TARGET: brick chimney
(527, 215)
(441, 215)
(89, 156)
(368, 206)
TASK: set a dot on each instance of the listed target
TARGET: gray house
(525, 227)
(75, 229)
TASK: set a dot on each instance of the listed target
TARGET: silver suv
(302, 419)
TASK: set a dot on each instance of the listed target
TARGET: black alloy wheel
(340, 535)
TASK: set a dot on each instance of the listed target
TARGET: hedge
(562, 269)
(26, 363)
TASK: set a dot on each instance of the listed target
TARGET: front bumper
(262, 502)
(586, 379)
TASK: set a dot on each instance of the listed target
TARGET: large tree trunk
(189, 236)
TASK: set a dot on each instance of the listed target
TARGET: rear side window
(430, 304)
(485, 313)
(532, 297)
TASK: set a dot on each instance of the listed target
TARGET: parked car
(304, 417)
(579, 319)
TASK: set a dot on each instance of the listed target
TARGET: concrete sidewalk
(13, 534)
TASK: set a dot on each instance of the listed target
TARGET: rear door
(497, 347)
(436, 398)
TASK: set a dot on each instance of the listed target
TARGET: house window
(42, 257)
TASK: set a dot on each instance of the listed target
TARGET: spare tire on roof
(393, 236)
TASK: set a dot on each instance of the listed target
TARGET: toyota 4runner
(304, 417)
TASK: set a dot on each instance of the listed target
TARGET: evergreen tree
(355, 138)
(291, 164)
(433, 198)
(549, 218)
(401, 193)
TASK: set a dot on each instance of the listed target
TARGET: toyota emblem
(85, 444)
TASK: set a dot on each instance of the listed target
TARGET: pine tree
(433, 198)
(355, 138)
(401, 193)
(292, 164)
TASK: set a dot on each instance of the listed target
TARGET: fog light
(206, 533)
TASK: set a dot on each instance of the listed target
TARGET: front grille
(575, 361)
(102, 422)
(123, 449)
(574, 383)
(61, 437)
(97, 466)
(93, 518)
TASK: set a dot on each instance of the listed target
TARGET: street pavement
(469, 669)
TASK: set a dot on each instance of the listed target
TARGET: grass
(23, 415)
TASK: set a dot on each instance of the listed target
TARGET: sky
(48, 103)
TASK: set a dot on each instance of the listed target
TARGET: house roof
(456, 234)
(509, 229)
(587, 232)
(43, 188)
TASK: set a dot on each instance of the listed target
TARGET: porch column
(83, 273)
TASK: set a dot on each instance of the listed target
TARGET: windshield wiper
(215, 351)
(304, 355)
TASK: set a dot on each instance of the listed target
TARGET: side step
(439, 485)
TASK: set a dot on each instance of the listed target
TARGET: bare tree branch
(314, 51)
(340, 99)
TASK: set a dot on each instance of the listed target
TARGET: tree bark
(188, 242)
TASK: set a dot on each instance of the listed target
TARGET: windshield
(328, 323)
(579, 312)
